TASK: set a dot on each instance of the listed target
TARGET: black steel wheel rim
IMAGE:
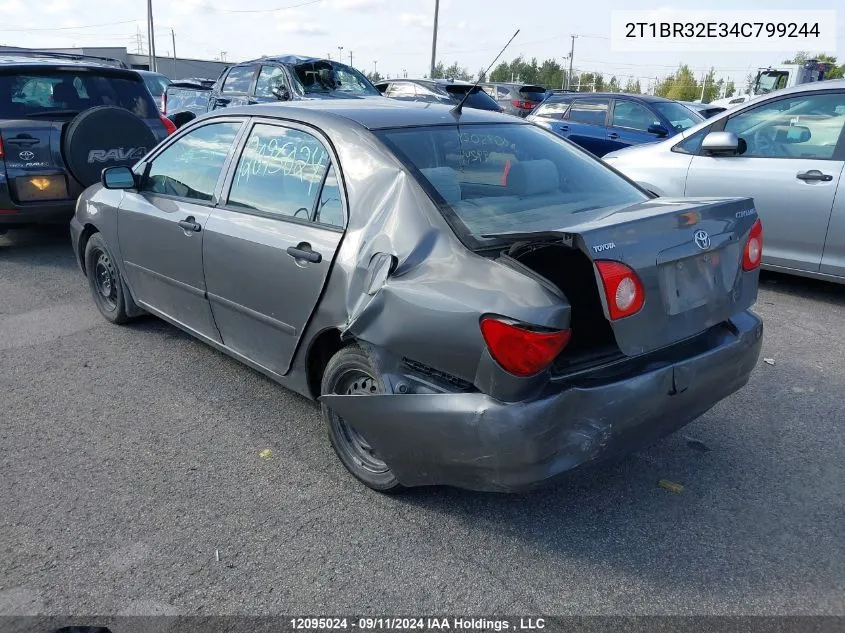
(357, 382)
(105, 280)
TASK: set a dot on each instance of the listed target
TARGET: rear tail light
(623, 289)
(1, 147)
(523, 105)
(168, 124)
(752, 254)
(520, 349)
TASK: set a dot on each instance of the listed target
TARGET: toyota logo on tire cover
(702, 240)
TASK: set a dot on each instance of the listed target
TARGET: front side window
(634, 116)
(239, 79)
(280, 172)
(191, 166)
(799, 126)
(494, 179)
(270, 78)
(590, 111)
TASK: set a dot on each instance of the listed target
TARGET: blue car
(605, 122)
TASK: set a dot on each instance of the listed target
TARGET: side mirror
(657, 130)
(119, 177)
(281, 93)
(720, 143)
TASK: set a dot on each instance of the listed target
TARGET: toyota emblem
(27, 155)
(702, 240)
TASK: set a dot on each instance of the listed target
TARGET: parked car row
(786, 150)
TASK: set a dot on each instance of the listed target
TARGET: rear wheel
(352, 372)
(104, 280)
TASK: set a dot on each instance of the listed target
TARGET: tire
(351, 370)
(104, 280)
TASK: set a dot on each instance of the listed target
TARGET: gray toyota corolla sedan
(473, 300)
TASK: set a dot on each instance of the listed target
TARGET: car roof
(25, 57)
(373, 113)
(150, 73)
(606, 95)
(424, 80)
(291, 60)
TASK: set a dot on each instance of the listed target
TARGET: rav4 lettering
(118, 153)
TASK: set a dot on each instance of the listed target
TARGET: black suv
(63, 119)
(437, 91)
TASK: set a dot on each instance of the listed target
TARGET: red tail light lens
(1, 147)
(622, 289)
(522, 105)
(170, 125)
(752, 255)
(519, 350)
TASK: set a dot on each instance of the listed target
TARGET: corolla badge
(702, 240)
(27, 155)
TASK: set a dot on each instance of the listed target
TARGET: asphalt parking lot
(129, 455)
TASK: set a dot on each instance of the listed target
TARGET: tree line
(682, 85)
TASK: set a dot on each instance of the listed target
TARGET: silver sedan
(785, 150)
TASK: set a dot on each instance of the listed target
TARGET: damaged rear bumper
(470, 440)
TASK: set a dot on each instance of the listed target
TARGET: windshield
(769, 81)
(324, 76)
(71, 92)
(505, 178)
(681, 117)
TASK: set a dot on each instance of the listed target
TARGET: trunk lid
(687, 254)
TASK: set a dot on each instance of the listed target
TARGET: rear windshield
(323, 77)
(67, 93)
(156, 85)
(532, 93)
(681, 117)
(504, 178)
(477, 98)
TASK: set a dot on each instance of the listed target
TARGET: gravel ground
(129, 455)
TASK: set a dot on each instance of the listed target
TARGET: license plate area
(31, 188)
(692, 282)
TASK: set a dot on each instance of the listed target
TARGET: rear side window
(239, 79)
(156, 85)
(191, 166)
(281, 173)
(591, 111)
(553, 110)
(39, 94)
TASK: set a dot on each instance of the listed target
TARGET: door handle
(613, 135)
(564, 128)
(813, 174)
(303, 251)
(190, 224)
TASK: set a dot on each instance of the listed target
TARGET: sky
(393, 36)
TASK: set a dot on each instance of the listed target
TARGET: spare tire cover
(102, 137)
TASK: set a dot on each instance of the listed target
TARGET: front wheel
(104, 280)
(352, 372)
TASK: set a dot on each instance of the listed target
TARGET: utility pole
(340, 54)
(173, 39)
(350, 58)
(151, 30)
(564, 76)
(434, 38)
(703, 85)
(405, 73)
(375, 67)
(571, 55)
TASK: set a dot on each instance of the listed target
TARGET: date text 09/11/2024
(416, 624)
